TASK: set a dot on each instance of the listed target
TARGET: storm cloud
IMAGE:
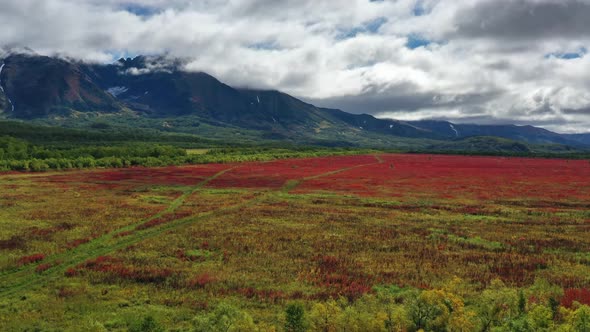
(483, 61)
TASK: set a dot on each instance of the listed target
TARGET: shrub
(571, 295)
(43, 267)
(31, 259)
(148, 324)
(225, 318)
(295, 318)
(201, 280)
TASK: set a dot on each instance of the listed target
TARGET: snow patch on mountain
(117, 90)
(454, 129)
(2, 89)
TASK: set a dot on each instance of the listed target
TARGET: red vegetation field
(266, 233)
(441, 176)
(274, 175)
(186, 175)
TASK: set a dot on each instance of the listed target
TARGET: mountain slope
(383, 126)
(155, 93)
(580, 138)
(527, 134)
(38, 86)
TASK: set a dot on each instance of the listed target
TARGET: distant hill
(527, 134)
(154, 93)
(580, 138)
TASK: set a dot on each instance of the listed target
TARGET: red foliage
(442, 176)
(328, 263)
(123, 234)
(338, 277)
(276, 173)
(65, 292)
(31, 259)
(77, 243)
(400, 175)
(114, 269)
(164, 219)
(265, 295)
(109, 179)
(201, 280)
(15, 242)
(43, 267)
(71, 272)
(571, 295)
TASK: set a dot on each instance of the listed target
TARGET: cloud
(524, 19)
(521, 61)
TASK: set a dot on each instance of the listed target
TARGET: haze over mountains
(153, 93)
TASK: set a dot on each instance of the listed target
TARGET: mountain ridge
(158, 93)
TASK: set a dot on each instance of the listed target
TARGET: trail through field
(26, 278)
(292, 184)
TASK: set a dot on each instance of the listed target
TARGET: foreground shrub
(295, 318)
(31, 259)
(225, 318)
(148, 324)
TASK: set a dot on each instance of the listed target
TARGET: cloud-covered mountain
(464, 61)
(158, 93)
(50, 89)
(36, 86)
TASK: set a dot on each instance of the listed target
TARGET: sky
(467, 61)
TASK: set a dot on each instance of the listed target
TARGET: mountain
(529, 134)
(34, 87)
(497, 145)
(580, 138)
(156, 93)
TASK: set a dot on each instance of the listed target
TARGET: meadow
(377, 242)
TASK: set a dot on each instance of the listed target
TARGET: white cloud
(483, 65)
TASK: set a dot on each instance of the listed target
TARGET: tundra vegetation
(374, 242)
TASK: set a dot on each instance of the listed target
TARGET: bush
(148, 324)
(225, 318)
(295, 318)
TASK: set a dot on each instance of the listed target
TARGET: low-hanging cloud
(485, 61)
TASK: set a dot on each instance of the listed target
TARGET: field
(384, 242)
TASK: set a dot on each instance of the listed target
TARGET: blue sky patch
(139, 10)
(370, 27)
(415, 42)
(419, 9)
(376, 24)
(118, 54)
(568, 55)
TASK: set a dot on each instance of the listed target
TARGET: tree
(295, 318)
(323, 316)
(439, 310)
(225, 318)
(497, 305)
(540, 318)
(577, 320)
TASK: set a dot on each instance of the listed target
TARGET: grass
(197, 151)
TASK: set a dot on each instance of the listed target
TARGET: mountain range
(151, 92)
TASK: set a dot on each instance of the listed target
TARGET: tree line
(20, 155)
